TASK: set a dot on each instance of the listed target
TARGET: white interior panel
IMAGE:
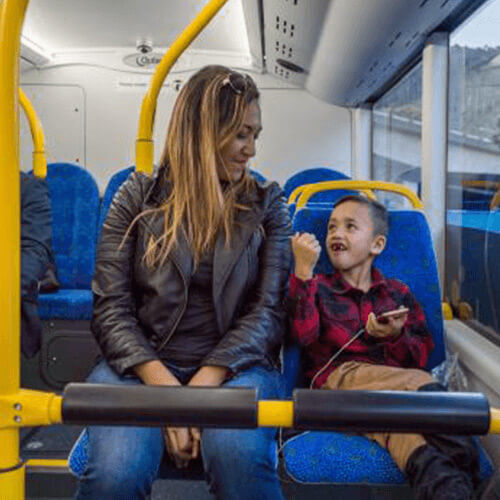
(61, 109)
(291, 32)
(299, 131)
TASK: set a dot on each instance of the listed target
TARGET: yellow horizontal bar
(47, 462)
(144, 162)
(275, 414)
(39, 157)
(495, 201)
(392, 187)
(28, 408)
(299, 189)
(481, 184)
(494, 421)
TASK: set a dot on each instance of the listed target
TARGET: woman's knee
(269, 383)
(240, 448)
(123, 462)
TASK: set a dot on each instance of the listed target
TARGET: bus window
(397, 125)
(473, 176)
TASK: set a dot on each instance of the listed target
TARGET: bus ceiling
(345, 52)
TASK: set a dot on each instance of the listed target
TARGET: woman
(188, 291)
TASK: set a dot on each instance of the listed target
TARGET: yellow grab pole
(275, 413)
(391, 187)
(494, 421)
(299, 189)
(144, 147)
(39, 158)
(11, 20)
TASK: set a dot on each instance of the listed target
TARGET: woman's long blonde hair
(207, 115)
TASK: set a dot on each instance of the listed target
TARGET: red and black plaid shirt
(326, 312)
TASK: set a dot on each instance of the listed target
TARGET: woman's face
(241, 147)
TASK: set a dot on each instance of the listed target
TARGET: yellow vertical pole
(39, 158)
(11, 20)
(144, 147)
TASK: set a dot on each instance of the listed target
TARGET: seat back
(75, 210)
(312, 175)
(473, 270)
(258, 175)
(114, 183)
(408, 257)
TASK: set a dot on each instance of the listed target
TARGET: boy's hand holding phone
(306, 251)
(387, 324)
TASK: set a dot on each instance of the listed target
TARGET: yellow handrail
(310, 189)
(299, 189)
(481, 184)
(39, 158)
(11, 20)
(495, 201)
(144, 146)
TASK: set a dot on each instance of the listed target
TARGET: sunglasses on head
(237, 82)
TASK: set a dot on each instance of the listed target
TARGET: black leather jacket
(136, 309)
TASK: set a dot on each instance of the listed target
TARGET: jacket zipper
(165, 342)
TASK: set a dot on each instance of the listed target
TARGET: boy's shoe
(490, 490)
(434, 476)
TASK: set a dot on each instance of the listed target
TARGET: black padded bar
(148, 406)
(397, 411)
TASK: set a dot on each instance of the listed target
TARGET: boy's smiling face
(350, 241)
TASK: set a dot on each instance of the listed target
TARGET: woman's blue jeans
(240, 464)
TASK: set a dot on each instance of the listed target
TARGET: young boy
(328, 311)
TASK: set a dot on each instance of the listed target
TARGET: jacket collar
(341, 286)
(246, 222)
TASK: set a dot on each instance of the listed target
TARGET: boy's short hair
(378, 213)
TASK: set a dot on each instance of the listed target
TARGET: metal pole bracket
(28, 408)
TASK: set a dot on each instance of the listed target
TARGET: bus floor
(56, 441)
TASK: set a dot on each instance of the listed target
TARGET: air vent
(291, 66)
(422, 3)
(284, 27)
(283, 49)
(443, 4)
(284, 73)
(291, 34)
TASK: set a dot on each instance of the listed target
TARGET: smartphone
(384, 317)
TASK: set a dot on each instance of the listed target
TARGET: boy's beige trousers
(354, 375)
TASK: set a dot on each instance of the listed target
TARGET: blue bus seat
(311, 175)
(114, 183)
(75, 209)
(258, 176)
(333, 457)
(477, 234)
(409, 256)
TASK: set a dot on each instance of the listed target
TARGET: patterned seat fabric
(333, 457)
(66, 304)
(75, 208)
